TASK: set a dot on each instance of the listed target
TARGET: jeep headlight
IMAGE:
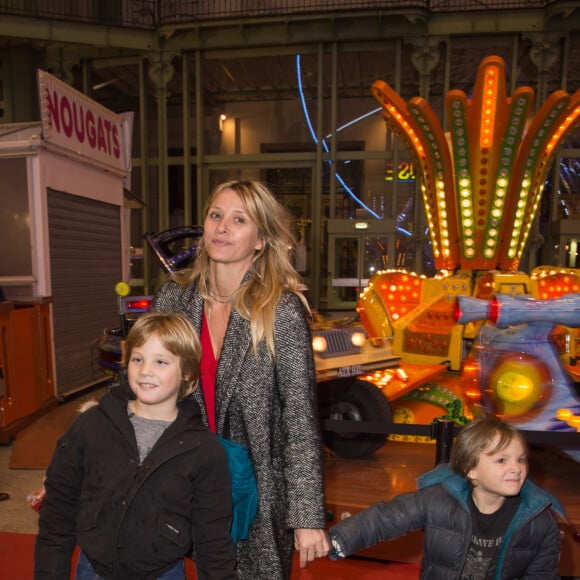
(319, 344)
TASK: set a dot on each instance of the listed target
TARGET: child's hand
(35, 498)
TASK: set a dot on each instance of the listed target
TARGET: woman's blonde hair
(476, 438)
(177, 335)
(271, 271)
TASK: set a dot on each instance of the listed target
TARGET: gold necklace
(221, 298)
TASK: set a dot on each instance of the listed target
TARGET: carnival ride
(515, 369)
(481, 188)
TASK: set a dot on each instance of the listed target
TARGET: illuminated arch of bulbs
(482, 187)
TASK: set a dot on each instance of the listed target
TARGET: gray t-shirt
(147, 432)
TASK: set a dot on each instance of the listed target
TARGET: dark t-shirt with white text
(487, 534)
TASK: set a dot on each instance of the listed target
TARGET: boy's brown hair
(177, 335)
(475, 439)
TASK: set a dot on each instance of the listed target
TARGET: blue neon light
(324, 145)
(355, 121)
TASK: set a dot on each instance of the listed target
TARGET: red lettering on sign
(116, 144)
(91, 129)
(79, 122)
(66, 116)
(71, 119)
(52, 106)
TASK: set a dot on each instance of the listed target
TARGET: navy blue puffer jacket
(530, 547)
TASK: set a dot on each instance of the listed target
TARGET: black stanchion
(443, 435)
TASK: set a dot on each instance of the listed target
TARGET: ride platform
(408, 377)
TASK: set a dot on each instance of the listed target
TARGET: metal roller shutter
(85, 262)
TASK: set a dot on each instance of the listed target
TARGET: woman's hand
(312, 544)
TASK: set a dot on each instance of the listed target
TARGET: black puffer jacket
(136, 521)
(530, 546)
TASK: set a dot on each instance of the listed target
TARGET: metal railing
(149, 14)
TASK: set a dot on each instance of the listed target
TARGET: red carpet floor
(16, 563)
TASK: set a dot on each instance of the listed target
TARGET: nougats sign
(73, 121)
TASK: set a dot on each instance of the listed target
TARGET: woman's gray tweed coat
(269, 406)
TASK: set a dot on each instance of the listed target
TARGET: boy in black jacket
(138, 481)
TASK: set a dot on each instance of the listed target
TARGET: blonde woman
(257, 373)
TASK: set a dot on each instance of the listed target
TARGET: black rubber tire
(362, 401)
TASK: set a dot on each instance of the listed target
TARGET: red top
(208, 370)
